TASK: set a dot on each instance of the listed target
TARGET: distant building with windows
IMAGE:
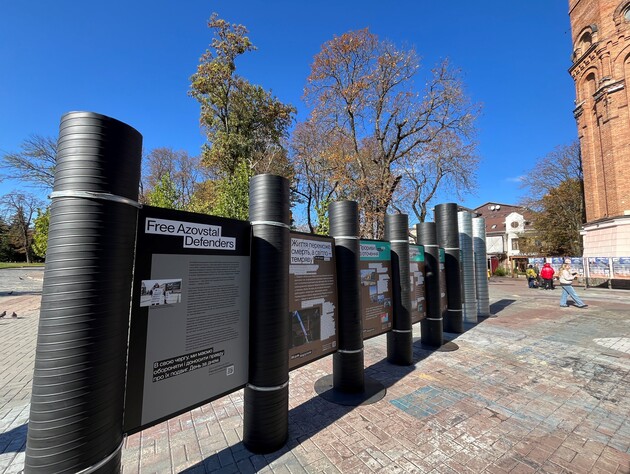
(505, 225)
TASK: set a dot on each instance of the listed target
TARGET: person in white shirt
(566, 281)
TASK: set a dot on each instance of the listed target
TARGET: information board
(556, 264)
(375, 265)
(621, 267)
(577, 265)
(190, 314)
(312, 298)
(416, 276)
(599, 267)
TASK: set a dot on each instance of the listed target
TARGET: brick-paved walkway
(538, 388)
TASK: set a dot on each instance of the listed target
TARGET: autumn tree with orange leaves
(373, 138)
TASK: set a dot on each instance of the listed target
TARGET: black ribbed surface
(266, 420)
(481, 266)
(443, 295)
(431, 326)
(400, 338)
(265, 424)
(447, 231)
(78, 383)
(467, 266)
(348, 369)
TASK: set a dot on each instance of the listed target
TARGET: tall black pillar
(400, 338)
(348, 372)
(76, 413)
(448, 239)
(266, 404)
(431, 326)
(349, 385)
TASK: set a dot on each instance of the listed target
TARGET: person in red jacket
(547, 275)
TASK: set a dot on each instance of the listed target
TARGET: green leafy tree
(40, 236)
(555, 194)
(323, 220)
(164, 194)
(559, 222)
(243, 122)
(232, 194)
(185, 175)
(20, 209)
(7, 251)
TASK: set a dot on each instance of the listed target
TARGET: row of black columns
(77, 407)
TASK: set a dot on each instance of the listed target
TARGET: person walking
(547, 275)
(566, 281)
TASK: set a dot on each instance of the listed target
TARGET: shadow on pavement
(14, 441)
(500, 305)
(20, 293)
(305, 421)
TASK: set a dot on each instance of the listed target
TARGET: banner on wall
(577, 264)
(375, 266)
(312, 298)
(556, 264)
(416, 276)
(621, 267)
(599, 267)
(189, 330)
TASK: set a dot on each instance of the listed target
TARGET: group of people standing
(543, 279)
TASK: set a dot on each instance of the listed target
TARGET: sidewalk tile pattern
(536, 389)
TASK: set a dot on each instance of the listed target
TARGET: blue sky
(132, 60)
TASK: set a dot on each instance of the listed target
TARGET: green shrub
(500, 272)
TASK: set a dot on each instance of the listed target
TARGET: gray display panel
(189, 336)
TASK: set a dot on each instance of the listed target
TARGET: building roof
(496, 213)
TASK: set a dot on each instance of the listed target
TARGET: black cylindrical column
(76, 413)
(348, 371)
(448, 239)
(431, 327)
(348, 385)
(400, 338)
(266, 403)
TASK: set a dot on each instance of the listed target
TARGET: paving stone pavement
(537, 388)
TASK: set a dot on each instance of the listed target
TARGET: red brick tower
(601, 71)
